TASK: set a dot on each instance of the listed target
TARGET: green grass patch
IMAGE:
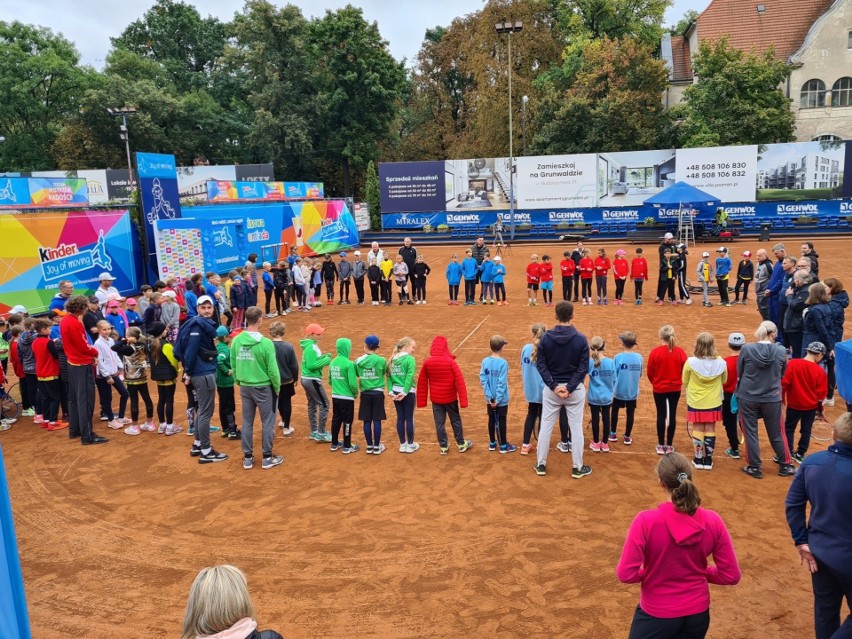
(793, 195)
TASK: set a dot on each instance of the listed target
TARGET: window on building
(813, 94)
(841, 93)
(827, 138)
(849, 40)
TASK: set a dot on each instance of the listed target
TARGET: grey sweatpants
(317, 403)
(441, 412)
(770, 412)
(205, 396)
(551, 405)
(263, 399)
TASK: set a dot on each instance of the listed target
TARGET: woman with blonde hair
(666, 552)
(704, 375)
(219, 606)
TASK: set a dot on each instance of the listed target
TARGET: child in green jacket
(402, 391)
(344, 389)
(371, 370)
(313, 361)
(225, 384)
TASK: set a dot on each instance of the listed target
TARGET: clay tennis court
(420, 545)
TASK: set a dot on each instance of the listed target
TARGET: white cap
(205, 299)
(171, 294)
(105, 276)
(705, 254)
(721, 249)
(498, 259)
(668, 236)
(357, 253)
(20, 309)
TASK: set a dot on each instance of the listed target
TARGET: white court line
(468, 336)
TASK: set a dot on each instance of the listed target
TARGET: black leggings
(166, 403)
(534, 415)
(744, 284)
(329, 290)
(469, 290)
(285, 405)
(454, 292)
(638, 285)
(419, 291)
(270, 294)
(832, 376)
(587, 288)
(500, 291)
(281, 302)
(105, 391)
(619, 288)
(227, 406)
(600, 413)
(630, 406)
(645, 626)
(136, 391)
(666, 404)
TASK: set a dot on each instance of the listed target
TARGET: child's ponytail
(667, 334)
(597, 346)
(538, 329)
(400, 345)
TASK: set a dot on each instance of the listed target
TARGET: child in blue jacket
(628, 372)
(486, 276)
(601, 387)
(454, 276)
(470, 269)
(494, 377)
(723, 270)
(499, 281)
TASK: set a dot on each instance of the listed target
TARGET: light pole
(509, 28)
(524, 101)
(123, 113)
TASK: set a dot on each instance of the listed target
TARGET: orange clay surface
(420, 545)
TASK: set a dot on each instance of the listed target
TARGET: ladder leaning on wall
(685, 226)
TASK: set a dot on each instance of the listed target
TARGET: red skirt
(703, 416)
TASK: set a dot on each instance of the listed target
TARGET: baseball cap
(113, 304)
(222, 332)
(371, 341)
(314, 329)
(736, 339)
(105, 277)
(746, 253)
(156, 329)
(816, 347)
(171, 294)
(358, 253)
(705, 254)
(131, 301)
(205, 299)
(496, 259)
(93, 299)
(112, 297)
(20, 309)
(238, 278)
(618, 252)
(681, 247)
(668, 236)
(342, 253)
(721, 249)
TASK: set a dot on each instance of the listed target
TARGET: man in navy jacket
(563, 361)
(825, 542)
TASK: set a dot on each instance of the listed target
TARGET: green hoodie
(313, 361)
(401, 374)
(371, 369)
(341, 372)
(253, 361)
(224, 376)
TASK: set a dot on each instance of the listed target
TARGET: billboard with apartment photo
(478, 184)
(800, 171)
(725, 172)
(630, 178)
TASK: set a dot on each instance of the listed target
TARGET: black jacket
(329, 271)
(563, 358)
(793, 320)
(745, 270)
(421, 270)
(409, 256)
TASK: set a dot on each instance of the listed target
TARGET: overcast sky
(91, 23)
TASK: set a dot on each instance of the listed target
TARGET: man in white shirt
(375, 253)
(106, 289)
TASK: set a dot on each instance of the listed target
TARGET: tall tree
(41, 82)
(737, 99)
(372, 196)
(359, 88)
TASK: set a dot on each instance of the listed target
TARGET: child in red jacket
(602, 266)
(442, 376)
(587, 272)
(736, 341)
(804, 387)
(47, 374)
(639, 273)
(546, 271)
(566, 267)
(665, 372)
(620, 270)
(533, 279)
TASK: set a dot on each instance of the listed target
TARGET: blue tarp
(843, 369)
(682, 193)
(14, 621)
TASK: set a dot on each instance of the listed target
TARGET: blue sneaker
(507, 448)
(335, 447)
(314, 435)
(492, 446)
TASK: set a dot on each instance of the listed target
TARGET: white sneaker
(403, 448)
(148, 427)
(125, 420)
(828, 402)
(161, 429)
(132, 430)
(423, 302)
(172, 429)
(564, 447)
(375, 303)
(688, 302)
(287, 432)
(378, 450)
(116, 424)
(413, 447)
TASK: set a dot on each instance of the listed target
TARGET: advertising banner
(43, 192)
(96, 183)
(551, 181)
(192, 180)
(362, 216)
(234, 191)
(478, 184)
(801, 171)
(41, 249)
(726, 172)
(158, 190)
(180, 249)
(628, 179)
(412, 187)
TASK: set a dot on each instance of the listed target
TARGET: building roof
(681, 60)
(782, 24)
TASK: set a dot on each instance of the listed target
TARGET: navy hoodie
(563, 358)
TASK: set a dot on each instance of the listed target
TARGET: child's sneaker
(161, 428)
(148, 427)
(540, 470)
(732, 453)
(212, 457)
(627, 440)
(116, 424)
(354, 448)
(271, 462)
(669, 450)
(698, 463)
(582, 471)
(132, 430)
(403, 448)
(287, 431)
(798, 457)
(525, 449)
(444, 450)
(324, 437)
(612, 437)
(661, 450)
(369, 450)
(38, 419)
(604, 447)
(234, 434)
(492, 446)
(413, 447)
(595, 447)
(564, 447)
(127, 420)
(507, 448)
(378, 450)
(248, 463)
(173, 429)
(465, 445)
(335, 447)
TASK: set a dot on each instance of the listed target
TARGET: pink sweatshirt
(666, 551)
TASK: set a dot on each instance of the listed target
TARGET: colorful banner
(233, 191)
(557, 181)
(43, 192)
(158, 189)
(180, 250)
(14, 618)
(41, 249)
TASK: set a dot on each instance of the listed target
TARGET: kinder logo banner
(158, 188)
(156, 165)
(43, 192)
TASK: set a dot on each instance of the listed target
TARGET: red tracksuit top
(620, 268)
(804, 385)
(602, 266)
(639, 268)
(546, 271)
(665, 369)
(587, 268)
(47, 366)
(533, 273)
(77, 348)
(567, 267)
(731, 385)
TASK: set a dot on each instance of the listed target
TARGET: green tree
(371, 196)
(684, 23)
(737, 99)
(359, 87)
(613, 104)
(41, 82)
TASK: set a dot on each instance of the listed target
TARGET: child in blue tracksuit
(599, 396)
(499, 281)
(454, 276)
(628, 372)
(494, 377)
(486, 276)
(470, 269)
(723, 270)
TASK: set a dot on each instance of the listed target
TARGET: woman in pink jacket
(666, 551)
